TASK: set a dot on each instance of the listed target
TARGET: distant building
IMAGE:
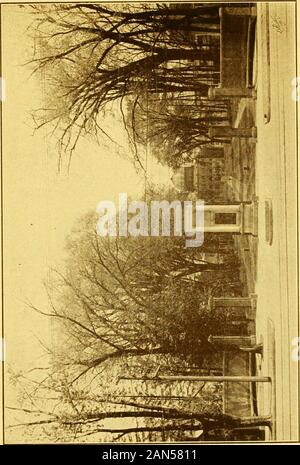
(204, 176)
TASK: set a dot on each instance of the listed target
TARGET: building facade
(204, 176)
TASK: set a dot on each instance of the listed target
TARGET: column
(240, 11)
(227, 132)
(231, 301)
(237, 341)
(220, 228)
(230, 92)
(223, 208)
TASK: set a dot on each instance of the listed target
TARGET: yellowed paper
(152, 333)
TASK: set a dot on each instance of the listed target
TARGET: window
(189, 178)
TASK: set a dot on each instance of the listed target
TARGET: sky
(41, 205)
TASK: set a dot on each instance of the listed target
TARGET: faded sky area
(41, 205)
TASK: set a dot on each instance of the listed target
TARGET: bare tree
(122, 298)
(174, 125)
(93, 55)
(80, 415)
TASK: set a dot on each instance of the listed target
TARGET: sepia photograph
(149, 223)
